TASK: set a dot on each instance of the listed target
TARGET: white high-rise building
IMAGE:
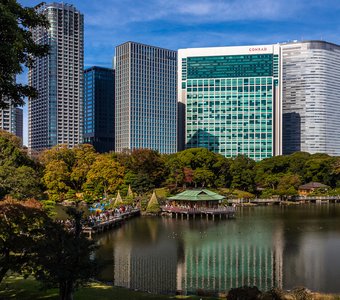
(56, 116)
(311, 97)
(262, 100)
(11, 120)
(146, 102)
(232, 98)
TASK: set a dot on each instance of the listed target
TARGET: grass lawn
(14, 287)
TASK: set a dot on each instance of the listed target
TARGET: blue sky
(175, 24)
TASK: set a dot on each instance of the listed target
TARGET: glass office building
(56, 115)
(145, 97)
(311, 97)
(232, 98)
(99, 108)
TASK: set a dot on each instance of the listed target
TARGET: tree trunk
(4, 267)
(66, 290)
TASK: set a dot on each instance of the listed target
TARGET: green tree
(67, 257)
(66, 170)
(85, 156)
(57, 180)
(17, 49)
(288, 185)
(242, 170)
(106, 174)
(146, 166)
(19, 175)
(203, 177)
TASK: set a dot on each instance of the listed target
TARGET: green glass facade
(230, 103)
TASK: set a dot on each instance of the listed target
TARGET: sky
(176, 24)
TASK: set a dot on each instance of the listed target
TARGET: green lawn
(27, 289)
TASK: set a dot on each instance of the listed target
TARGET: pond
(281, 246)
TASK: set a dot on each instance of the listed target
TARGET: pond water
(281, 246)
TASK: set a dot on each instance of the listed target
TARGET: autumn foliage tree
(105, 175)
(21, 229)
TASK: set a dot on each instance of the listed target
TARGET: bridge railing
(197, 210)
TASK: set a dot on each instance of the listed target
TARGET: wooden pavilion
(198, 202)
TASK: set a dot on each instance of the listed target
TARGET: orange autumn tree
(21, 228)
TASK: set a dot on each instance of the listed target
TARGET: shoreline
(16, 287)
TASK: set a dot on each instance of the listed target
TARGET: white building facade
(311, 97)
(232, 98)
(56, 116)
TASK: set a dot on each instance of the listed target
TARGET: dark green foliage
(17, 49)
(21, 229)
(20, 176)
(243, 173)
(145, 169)
(197, 167)
(66, 258)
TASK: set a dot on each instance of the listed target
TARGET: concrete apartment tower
(311, 97)
(145, 96)
(56, 116)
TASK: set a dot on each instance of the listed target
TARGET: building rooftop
(197, 195)
(312, 185)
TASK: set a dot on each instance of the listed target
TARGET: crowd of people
(107, 215)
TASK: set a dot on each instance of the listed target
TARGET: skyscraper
(311, 97)
(56, 116)
(11, 120)
(19, 123)
(232, 98)
(146, 102)
(99, 108)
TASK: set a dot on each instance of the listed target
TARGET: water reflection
(266, 247)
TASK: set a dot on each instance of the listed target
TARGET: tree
(203, 177)
(146, 166)
(85, 156)
(242, 170)
(19, 175)
(66, 261)
(66, 169)
(288, 185)
(17, 49)
(106, 174)
(153, 205)
(57, 180)
(21, 228)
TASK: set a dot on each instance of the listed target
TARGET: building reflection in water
(188, 262)
(232, 262)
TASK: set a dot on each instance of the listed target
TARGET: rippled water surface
(264, 246)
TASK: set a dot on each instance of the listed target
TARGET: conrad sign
(258, 49)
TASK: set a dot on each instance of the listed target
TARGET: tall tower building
(311, 97)
(11, 120)
(99, 108)
(146, 102)
(56, 116)
(19, 123)
(232, 98)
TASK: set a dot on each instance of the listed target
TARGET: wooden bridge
(219, 212)
(112, 222)
(298, 199)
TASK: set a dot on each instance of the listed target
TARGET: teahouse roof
(312, 185)
(197, 195)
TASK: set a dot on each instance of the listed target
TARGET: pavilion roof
(312, 185)
(197, 195)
